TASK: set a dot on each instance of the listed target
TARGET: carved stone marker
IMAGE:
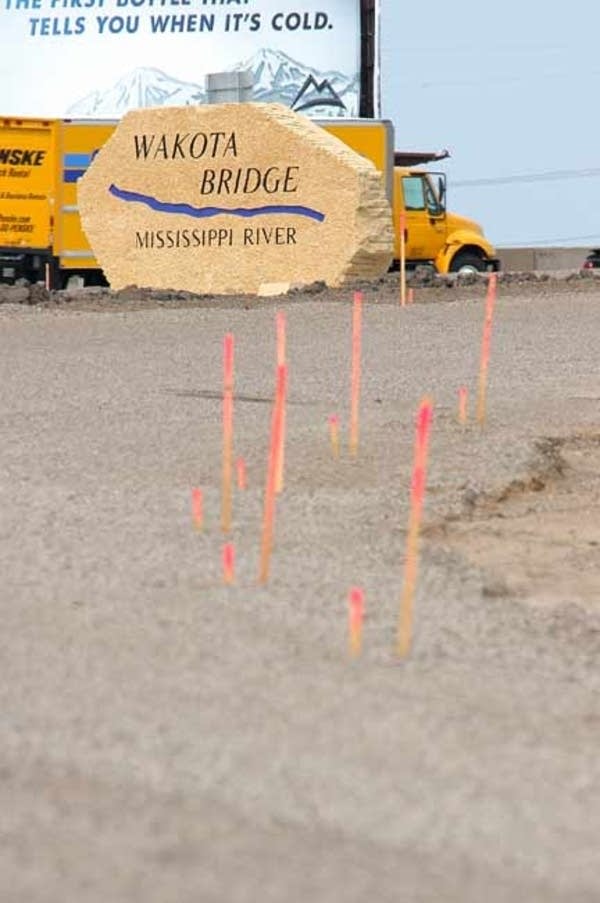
(225, 199)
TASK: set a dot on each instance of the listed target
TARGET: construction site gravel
(164, 737)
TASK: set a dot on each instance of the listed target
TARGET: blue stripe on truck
(79, 161)
(75, 165)
(72, 175)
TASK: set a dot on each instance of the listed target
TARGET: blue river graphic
(206, 212)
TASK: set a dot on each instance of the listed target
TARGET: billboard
(94, 59)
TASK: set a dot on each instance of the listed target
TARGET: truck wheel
(467, 262)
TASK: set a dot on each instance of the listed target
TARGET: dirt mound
(538, 538)
(427, 287)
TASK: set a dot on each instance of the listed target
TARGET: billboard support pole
(369, 49)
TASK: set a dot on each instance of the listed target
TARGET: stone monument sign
(229, 198)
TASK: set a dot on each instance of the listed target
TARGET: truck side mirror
(442, 191)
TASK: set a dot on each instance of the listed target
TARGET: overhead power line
(547, 176)
(553, 242)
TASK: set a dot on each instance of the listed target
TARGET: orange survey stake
(226, 495)
(462, 404)
(356, 610)
(228, 554)
(355, 371)
(197, 512)
(271, 488)
(281, 351)
(240, 467)
(485, 347)
(417, 495)
(334, 434)
(402, 226)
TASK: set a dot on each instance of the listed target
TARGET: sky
(511, 90)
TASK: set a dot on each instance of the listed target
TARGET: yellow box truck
(40, 231)
(41, 237)
(447, 242)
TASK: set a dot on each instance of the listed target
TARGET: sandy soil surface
(167, 738)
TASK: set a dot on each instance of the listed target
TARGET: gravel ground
(167, 738)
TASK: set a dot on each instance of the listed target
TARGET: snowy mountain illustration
(143, 87)
(277, 79)
(280, 79)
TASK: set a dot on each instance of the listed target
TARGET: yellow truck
(434, 237)
(40, 231)
(41, 238)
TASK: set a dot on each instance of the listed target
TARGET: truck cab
(445, 241)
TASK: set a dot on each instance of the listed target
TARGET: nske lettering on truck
(17, 156)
